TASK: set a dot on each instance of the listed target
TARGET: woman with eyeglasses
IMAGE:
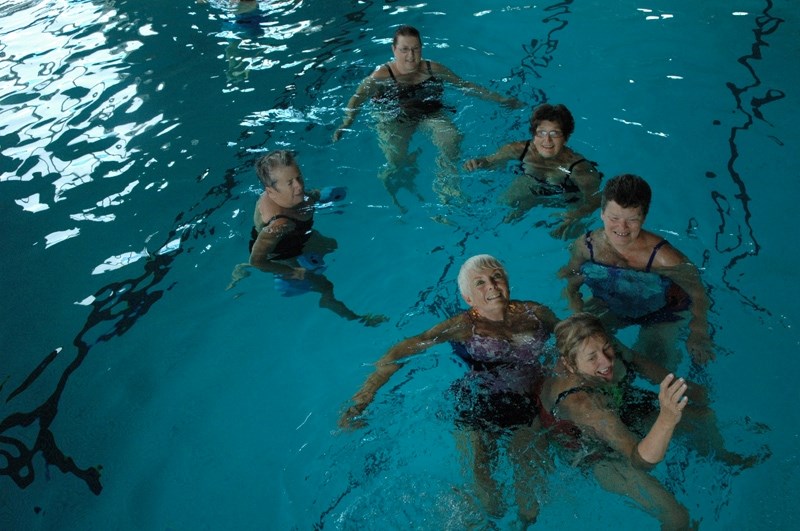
(549, 172)
(407, 96)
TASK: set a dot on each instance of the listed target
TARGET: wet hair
(573, 331)
(406, 31)
(628, 191)
(476, 263)
(553, 113)
(266, 164)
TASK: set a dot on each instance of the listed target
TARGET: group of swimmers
(583, 403)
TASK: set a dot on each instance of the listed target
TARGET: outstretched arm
(452, 329)
(471, 88)
(363, 92)
(498, 158)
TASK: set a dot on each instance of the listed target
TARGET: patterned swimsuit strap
(589, 245)
(564, 394)
(657, 246)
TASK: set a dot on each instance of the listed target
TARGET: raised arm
(589, 410)
(453, 329)
(362, 94)
(498, 158)
(471, 88)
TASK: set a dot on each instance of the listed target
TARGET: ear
(567, 365)
(467, 299)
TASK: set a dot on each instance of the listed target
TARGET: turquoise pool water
(138, 393)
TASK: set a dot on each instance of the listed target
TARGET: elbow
(259, 261)
(640, 462)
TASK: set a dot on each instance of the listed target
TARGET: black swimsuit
(543, 186)
(412, 101)
(291, 245)
(632, 404)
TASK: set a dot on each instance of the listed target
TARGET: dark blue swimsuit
(638, 297)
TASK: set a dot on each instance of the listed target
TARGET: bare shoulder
(443, 71)
(436, 67)
(380, 73)
(515, 149)
(457, 328)
(668, 256)
(278, 225)
(582, 406)
(579, 248)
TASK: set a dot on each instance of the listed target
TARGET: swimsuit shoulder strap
(428, 64)
(391, 74)
(589, 245)
(525, 151)
(656, 247)
(277, 217)
(564, 394)
(572, 166)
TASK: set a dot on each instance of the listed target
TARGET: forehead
(613, 209)
(484, 272)
(548, 125)
(407, 41)
(592, 344)
(285, 173)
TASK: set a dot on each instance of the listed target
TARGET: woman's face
(407, 53)
(621, 225)
(594, 359)
(289, 189)
(488, 291)
(549, 139)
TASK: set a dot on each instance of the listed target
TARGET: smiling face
(487, 292)
(549, 139)
(288, 189)
(594, 359)
(407, 53)
(621, 225)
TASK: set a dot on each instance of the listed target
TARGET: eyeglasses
(541, 133)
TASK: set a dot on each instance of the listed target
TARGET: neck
(494, 315)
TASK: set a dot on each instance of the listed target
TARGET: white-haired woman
(501, 342)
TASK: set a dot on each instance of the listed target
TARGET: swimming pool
(128, 136)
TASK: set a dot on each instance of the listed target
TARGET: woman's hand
(671, 398)
(474, 164)
(513, 103)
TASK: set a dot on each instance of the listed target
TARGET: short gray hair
(267, 163)
(476, 263)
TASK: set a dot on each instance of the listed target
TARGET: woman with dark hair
(550, 173)
(408, 97)
(635, 277)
